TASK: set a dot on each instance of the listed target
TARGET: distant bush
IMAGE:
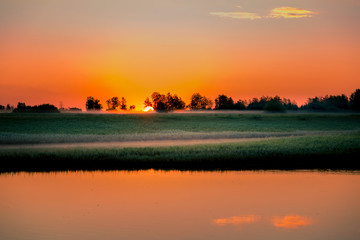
(44, 108)
(2, 107)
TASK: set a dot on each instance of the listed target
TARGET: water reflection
(180, 205)
(237, 220)
(292, 221)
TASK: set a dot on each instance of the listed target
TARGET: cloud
(281, 12)
(237, 15)
(290, 12)
(237, 220)
(291, 221)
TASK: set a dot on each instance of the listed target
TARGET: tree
(170, 102)
(174, 102)
(132, 107)
(123, 104)
(274, 104)
(258, 104)
(21, 106)
(2, 107)
(93, 104)
(224, 102)
(147, 102)
(290, 105)
(240, 105)
(159, 101)
(355, 100)
(113, 103)
(43, 108)
(198, 102)
(327, 103)
(8, 107)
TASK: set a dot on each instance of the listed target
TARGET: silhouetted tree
(274, 104)
(336, 102)
(240, 105)
(224, 102)
(198, 101)
(2, 107)
(147, 102)
(123, 104)
(166, 103)
(355, 100)
(113, 103)
(290, 105)
(327, 103)
(93, 104)
(256, 104)
(174, 102)
(132, 107)
(159, 101)
(21, 106)
(8, 107)
(43, 108)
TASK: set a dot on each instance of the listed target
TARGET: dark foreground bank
(333, 152)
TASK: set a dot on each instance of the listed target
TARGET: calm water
(180, 205)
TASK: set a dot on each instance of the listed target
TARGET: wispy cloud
(281, 12)
(237, 15)
(290, 12)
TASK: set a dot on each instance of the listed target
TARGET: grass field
(104, 124)
(321, 141)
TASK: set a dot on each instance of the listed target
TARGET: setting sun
(149, 109)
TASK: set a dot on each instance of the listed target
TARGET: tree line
(169, 102)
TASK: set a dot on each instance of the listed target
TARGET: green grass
(104, 124)
(337, 151)
(305, 151)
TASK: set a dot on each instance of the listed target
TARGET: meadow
(284, 141)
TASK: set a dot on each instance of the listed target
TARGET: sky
(54, 51)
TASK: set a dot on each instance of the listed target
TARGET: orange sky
(54, 51)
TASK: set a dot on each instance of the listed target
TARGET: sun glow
(149, 109)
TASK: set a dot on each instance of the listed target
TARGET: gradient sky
(65, 50)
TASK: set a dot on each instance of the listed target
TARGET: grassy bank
(308, 152)
(115, 124)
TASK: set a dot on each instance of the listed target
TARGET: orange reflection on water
(237, 220)
(291, 221)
